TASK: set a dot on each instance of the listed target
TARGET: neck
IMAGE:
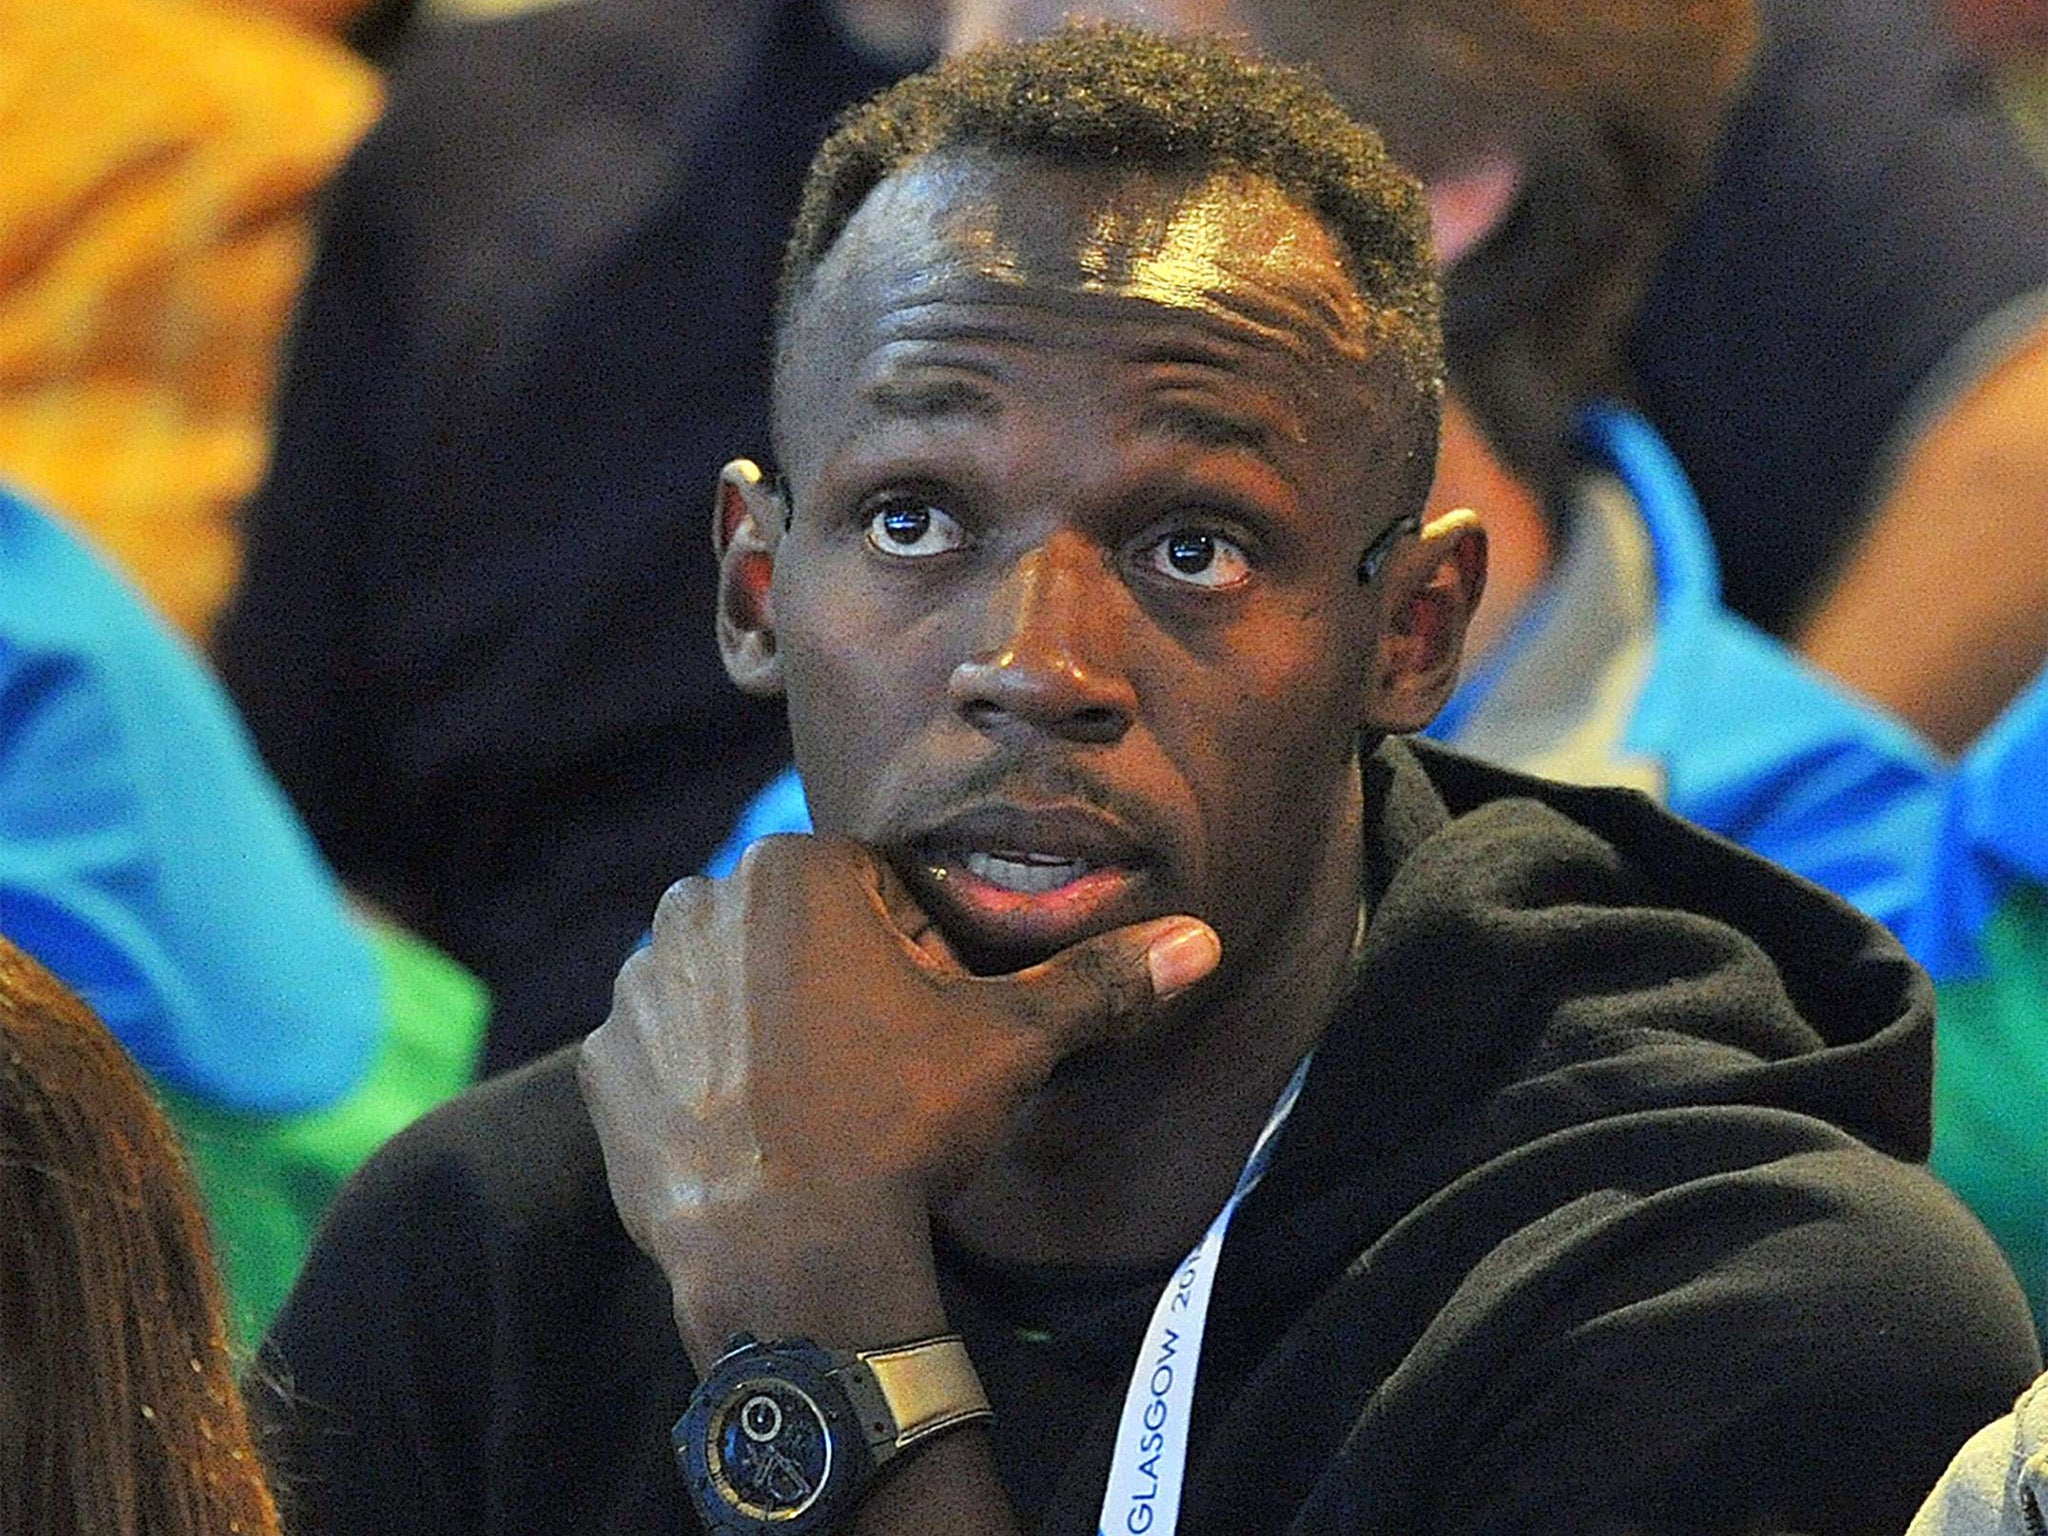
(1129, 1152)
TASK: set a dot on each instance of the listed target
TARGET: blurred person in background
(472, 633)
(162, 160)
(1848, 347)
(119, 1414)
(150, 862)
(2011, 37)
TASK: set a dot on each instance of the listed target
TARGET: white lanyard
(1143, 1496)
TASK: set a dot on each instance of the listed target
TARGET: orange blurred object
(331, 16)
(162, 160)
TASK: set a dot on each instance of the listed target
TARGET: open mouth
(1011, 885)
(1028, 874)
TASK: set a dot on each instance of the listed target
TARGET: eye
(1195, 557)
(912, 529)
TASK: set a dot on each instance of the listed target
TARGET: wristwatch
(786, 1436)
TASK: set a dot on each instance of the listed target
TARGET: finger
(1111, 986)
(887, 896)
(679, 906)
(903, 913)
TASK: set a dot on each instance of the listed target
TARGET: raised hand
(796, 1070)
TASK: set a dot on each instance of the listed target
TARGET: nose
(1049, 657)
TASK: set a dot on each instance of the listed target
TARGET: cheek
(860, 680)
(1266, 746)
(1296, 675)
(1269, 811)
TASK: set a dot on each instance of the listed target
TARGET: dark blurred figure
(1849, 349)
(118, 1409)
(2011, 37)
(473, 639)
(162, 163)
(372, 27)
(376, 30)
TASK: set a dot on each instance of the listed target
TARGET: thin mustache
(1053, 779)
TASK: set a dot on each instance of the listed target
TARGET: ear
(1432, 588)
(746, 525)
(1467, 205)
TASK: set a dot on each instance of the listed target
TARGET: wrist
(848, 1289)
(788, 1437)
(949, 1488)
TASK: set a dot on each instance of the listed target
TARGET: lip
(996, 927)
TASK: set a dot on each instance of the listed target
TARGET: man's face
(1081, 467)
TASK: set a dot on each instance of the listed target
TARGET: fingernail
(1182, 958)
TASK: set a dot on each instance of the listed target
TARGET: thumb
(1109, 986)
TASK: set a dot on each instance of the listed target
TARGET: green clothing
(1990, 1083)
(266, 1179)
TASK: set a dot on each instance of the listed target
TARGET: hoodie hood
(1543, 967)
(1544, 964)
(1550, 955)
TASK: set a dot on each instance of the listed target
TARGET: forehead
(1221, 253)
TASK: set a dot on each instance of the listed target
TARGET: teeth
(1027, 874)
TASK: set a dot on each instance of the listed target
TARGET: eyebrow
(1202, 426)
(928, 399)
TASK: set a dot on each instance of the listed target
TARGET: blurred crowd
(366, 367)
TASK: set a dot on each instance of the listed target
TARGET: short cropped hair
(1112, 96)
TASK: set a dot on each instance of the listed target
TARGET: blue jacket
(148, 859)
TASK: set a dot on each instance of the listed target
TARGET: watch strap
(908, 1393)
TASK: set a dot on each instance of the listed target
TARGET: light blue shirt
(147, 857)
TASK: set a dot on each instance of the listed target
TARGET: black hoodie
(1595, 1215)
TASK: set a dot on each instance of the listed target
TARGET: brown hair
(1615, 108)
(118, 1409)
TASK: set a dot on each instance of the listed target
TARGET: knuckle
(590, 1062)
(597, 1082)
(680, 904)
(633, 979)
(763, 856)
(773, 862)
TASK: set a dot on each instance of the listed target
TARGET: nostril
(981, 712)
(1098, 724)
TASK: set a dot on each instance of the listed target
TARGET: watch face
(769, 1449)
